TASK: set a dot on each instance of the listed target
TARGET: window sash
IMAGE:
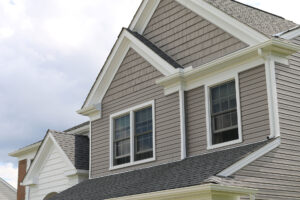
(133, 142)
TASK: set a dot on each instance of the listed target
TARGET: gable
(187, 37)
(7, 192)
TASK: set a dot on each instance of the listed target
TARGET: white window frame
(218, 80)
(131, 111)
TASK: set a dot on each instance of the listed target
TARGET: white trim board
(250, 158)
(124, 43)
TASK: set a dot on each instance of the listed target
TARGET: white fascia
(250, 158)
(224, 21)
(143, 15)
(239, 61)
(92, 106)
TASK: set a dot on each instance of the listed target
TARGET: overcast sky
(50, 54)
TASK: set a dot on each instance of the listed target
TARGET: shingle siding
(134, 84)
(277, 174)
(186, 37)
(254, 111)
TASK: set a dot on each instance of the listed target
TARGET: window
(132, 135)
(223, 114)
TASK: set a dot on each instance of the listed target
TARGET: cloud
(50, 55)
(9, 173)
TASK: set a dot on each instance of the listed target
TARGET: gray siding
(254, 110)
(277, 174)
(134, 84)
(186, 37)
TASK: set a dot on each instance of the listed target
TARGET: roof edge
(25, 150)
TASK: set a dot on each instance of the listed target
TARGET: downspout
(272, 93)
(182, 122)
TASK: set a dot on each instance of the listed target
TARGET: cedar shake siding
(186, 37)
(21, 175)
(133, 85)
(254, 112)
(277, 174)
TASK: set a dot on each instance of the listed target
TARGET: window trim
(131, 111)
(212, 83)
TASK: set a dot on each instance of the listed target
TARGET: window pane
(123, 148)
(224, 114)
(122, 127)
(143, 134)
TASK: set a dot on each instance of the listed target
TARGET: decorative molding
(250, 158)
(201, 192)
(238, 61)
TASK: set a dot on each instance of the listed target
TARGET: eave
(25, 150)
(184, 77)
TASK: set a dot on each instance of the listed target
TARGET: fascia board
(193, 191)
(126, 40)
(143, 15)
(224, 21)
(280, 48)
(8, 185)
(25, 150)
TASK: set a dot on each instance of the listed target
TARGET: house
(7, 192)
(58, 162)
(198, 99)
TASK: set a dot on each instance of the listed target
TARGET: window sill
(210, 147)
(132, 164)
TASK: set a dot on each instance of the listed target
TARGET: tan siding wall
(254, 110)
(134, 84)
(277, 174)
(186, 37)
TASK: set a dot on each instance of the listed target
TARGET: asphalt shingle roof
(262, 21)
(189, 172)
(76, 148)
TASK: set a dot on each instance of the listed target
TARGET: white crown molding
(250, 158)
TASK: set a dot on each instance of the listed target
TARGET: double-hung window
(132, 136)
(223, 114)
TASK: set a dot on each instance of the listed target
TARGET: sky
(50, 54)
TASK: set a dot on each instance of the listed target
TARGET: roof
(154, 48)
(7, 191)
(77, 126)
(76, 147)
(26, 149)
(262, 21)
(189, 172)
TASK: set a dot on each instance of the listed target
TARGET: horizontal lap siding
(134, 84)
(254, 111)
(186, 37)
(277, 174)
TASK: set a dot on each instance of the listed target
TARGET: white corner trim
(182, 123)
(250, 158)
(224, 21)
(130, 111)
(143, 15)
(124, 43)
(216, 81)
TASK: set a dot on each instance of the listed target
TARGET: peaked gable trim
(250, 158)
(224, 21)
(47, 144)
(126, 40)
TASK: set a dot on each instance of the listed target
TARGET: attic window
(132, 136)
